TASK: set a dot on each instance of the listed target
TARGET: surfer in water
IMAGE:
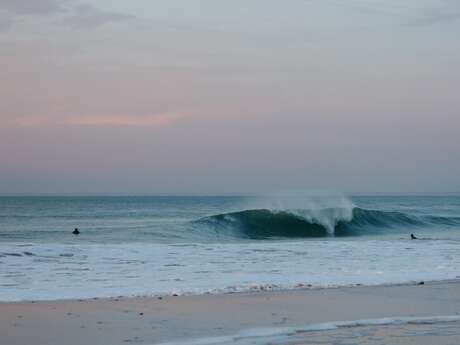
(412, 236)
(76, 231)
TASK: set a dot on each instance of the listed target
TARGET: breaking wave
(265, 223)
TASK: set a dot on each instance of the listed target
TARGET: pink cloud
(101, 120)
(124, 120)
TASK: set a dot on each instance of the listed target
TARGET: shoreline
(258, 288)
(155, 320)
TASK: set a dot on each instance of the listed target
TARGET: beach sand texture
(261, 318)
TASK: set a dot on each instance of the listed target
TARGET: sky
(239, 97)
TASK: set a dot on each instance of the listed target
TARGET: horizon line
(222, 194)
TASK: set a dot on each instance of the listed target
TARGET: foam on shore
(264, 335)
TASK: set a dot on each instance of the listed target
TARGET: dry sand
(183, 318)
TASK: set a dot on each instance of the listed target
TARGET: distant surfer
(412, 236)
(76, 231)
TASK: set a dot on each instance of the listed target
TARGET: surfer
(412, 236)
(76, 231)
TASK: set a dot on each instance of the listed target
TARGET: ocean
(152, 246)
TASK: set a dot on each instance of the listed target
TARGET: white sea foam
(61, 271)
(267, 335)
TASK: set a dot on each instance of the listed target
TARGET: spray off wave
(355, 221)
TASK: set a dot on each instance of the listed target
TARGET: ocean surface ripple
(135, 246)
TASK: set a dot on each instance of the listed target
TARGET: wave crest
(265, 223)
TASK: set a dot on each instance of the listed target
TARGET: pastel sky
(240, 96)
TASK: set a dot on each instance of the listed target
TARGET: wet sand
(186, 318)
(423, 334)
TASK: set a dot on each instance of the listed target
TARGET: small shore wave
(286, 334)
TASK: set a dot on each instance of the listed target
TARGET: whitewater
(152, 246)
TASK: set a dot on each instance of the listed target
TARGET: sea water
(144, 246)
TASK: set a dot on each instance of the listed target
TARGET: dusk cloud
(87, 16)
(412, 13)
(32, 6)
(72, 12)
(248, 87)
(445, 11)
(10, 10)
(124, 120)
(100, 120)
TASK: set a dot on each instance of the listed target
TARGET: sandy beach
(424, 311)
